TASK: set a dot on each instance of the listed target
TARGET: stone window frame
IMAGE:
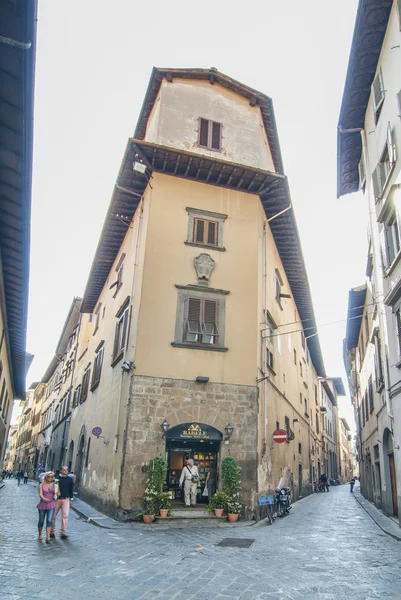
(197, 291)
(218, 218)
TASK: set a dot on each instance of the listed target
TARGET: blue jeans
(49, 516)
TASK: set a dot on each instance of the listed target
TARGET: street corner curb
(373, 517)
(93, 520)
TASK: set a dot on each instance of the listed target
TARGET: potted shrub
(154, 486)
(231, 475)
(164, 503)
(218, 503)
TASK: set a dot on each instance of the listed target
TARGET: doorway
(390, 504)
(200, 442)
(393, 484)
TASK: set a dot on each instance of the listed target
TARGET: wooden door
(393, 483)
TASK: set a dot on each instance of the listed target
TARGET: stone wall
(178, 401)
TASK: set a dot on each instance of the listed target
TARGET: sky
(94, 59)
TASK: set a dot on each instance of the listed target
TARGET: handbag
(205, 491)
(194, 478)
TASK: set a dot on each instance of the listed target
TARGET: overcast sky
(94, 59)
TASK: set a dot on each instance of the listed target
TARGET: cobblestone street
(329, 547)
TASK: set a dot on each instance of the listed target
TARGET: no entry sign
(96, 431)
(280, 436)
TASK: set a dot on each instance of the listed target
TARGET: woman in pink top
(46, 505)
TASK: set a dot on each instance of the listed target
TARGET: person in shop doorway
(189, 479)
(211, 480)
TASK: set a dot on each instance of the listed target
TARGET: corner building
(192, 318)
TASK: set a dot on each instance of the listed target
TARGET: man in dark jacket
(323, 479)
(64, 502)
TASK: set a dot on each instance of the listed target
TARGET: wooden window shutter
(377, 91)
(199, 230)
(203, 132)
(398, 319)
(376, 179)
(362, 172)
(399, 93)
(399, 12)
(384, 248)
(194, 309)
(211, 233)
(390, 146)
(216, 136)
(125, 328)
(210, 311)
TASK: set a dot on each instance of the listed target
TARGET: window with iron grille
(370, 394)
(97, 367)
(201, 321)
(209, 134)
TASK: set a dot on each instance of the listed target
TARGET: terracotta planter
(164, 512)
(148, 519)
(218, 512)
(233, 518)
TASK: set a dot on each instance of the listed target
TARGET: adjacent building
(17, 56)
(369, 150)
(346, 458)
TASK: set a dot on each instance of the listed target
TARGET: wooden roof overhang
(213, 76)
(356, 307)
(17, 74)
(370, 28)
(272, 189)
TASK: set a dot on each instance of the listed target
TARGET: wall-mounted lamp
(128, 365)
(165, 427)
(201, 379)
(144, 467)
(295, 420)
(229, 431)
(139, 167)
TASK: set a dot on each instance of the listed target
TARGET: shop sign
(194, 431)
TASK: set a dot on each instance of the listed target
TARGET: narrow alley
(328, 547)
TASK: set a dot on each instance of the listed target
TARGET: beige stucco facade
(137, 359)
(6, 390)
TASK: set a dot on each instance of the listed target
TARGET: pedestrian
(19, 475)
(25, 476)
(351, 484)
(211, 479)
(190, 479)
(323, 478)
(72, 475)
(63, 502)
(41, 476)
(46, 505)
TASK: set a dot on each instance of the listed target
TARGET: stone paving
(327, 548)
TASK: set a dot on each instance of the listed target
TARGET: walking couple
(55, 496)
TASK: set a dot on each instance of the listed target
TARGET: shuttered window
(370, 393)
(399, 12)
(97, 367)
(399, 99)
(205, 232)
(383, 170)
(120, 337)
(201, 321)
(85, 386)
(362, 172)
(377, 94)
(209, 135)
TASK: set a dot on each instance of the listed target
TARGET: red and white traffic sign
(280, 436)
(96, 431)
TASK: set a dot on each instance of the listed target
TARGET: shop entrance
(192, 440)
